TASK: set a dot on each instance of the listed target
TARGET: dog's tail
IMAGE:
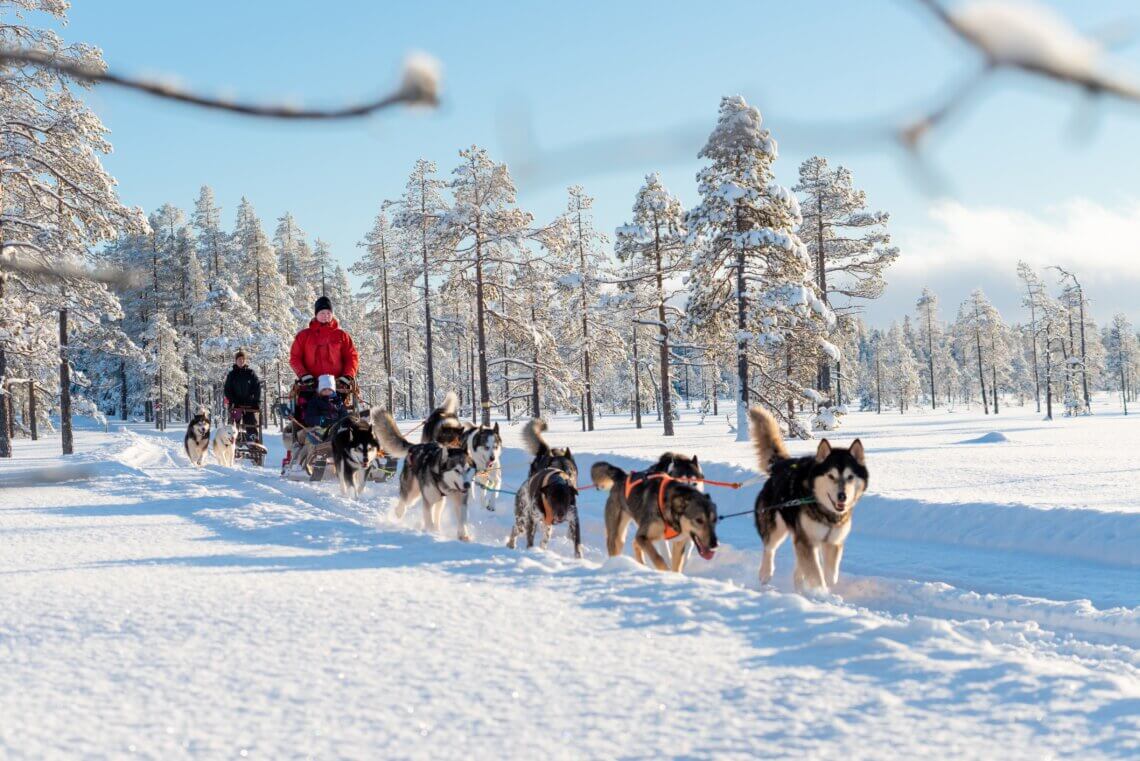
(532, 437)
(450, 403)
(766, 438)
(605, 475)
(388, 434)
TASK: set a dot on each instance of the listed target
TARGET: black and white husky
(197, 440)
(443, 425)
(544, 455)
(431, 471)
(484, 446)
(809, 498)
(354, 445)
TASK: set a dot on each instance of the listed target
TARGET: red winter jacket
(324, 350)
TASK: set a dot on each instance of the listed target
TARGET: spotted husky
(663, 504)
(549, 497)
(197, 440)
(809, 498)
(431, 471)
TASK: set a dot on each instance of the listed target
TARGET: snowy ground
(991, 603)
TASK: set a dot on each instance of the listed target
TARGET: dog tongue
(705, 553)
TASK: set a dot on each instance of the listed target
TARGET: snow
(993, 437)
(989, 598)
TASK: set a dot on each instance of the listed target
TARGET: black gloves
(307, 380)
(346, 380)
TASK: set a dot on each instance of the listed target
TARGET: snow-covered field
(990, 605)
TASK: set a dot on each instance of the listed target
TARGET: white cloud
(964, 247)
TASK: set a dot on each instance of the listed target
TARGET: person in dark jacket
(325, 407)
(243, 390)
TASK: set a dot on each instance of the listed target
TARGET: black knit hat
(324, 302)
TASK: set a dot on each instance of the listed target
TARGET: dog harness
(665, 478)
(548, 516)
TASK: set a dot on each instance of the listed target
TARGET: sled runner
(248, 442)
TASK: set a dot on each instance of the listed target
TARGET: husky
(443, 425)
(354, 446)
(435, 472)
(197, 439)
(544, 455)
(662, 505)
(810, 498)
(484, 446)
(548, 497)
(225, 444)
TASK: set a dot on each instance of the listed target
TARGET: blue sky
(1020, 182)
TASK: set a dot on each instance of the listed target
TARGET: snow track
(206, 612)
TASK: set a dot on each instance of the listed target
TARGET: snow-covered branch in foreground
(419, 85)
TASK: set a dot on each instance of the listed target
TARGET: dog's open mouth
(839, 506)
(702, 550)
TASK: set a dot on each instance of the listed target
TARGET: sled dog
(225, 444)
(443, 425)
(544, 455)
(663, 505)
(431, 471)
(810, 498)
(484, 446)
(548, 497)
(197, 439)
(354, 446)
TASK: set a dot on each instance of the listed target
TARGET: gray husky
(809, 498)
(432, 471)
(663, 505)
(197, 440)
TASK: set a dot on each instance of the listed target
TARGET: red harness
(665, 478)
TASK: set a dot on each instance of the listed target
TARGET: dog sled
(247, 445)
(309, 449)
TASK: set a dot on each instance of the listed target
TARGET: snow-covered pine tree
(751, 275)
(56, 200)
(930, 335)
(483, 220)
(164, 368)
(320, 267)
(1073, 297)
(849, 245)
(213, 243)
(422, 214)
(900, 368)
(980, 335)
(375, 267)
(655, 248)
(1121, 352)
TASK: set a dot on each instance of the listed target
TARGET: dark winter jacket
(243, 389)
(323, 410)
(324, 350)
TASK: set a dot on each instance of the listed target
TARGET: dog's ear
(442, 456)
(568, 452)
(496, 429)
(824, 450)
(695, 460)
(857, 452)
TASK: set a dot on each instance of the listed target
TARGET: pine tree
(421, 214)
(750, 258)
(213, 244)
(849, 245)
(654, 244)
(1122, 352)
(930, 335)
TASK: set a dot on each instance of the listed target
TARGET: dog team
(809, 499)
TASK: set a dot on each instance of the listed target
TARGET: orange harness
(665, 478)
(547, 510)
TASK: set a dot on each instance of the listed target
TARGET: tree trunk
(1033, 342)
(666, 385)
(978, 343)
(824, 375)
(484, 387)
(534, 399)
(66, 435)
(930, 355)
(741, 346)
(589, 403)
(33, 427)
(636, 382)
(878, 385)
(1084, 367)
(387, 338)
(5, 440)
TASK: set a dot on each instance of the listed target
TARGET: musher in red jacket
(324, 349)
